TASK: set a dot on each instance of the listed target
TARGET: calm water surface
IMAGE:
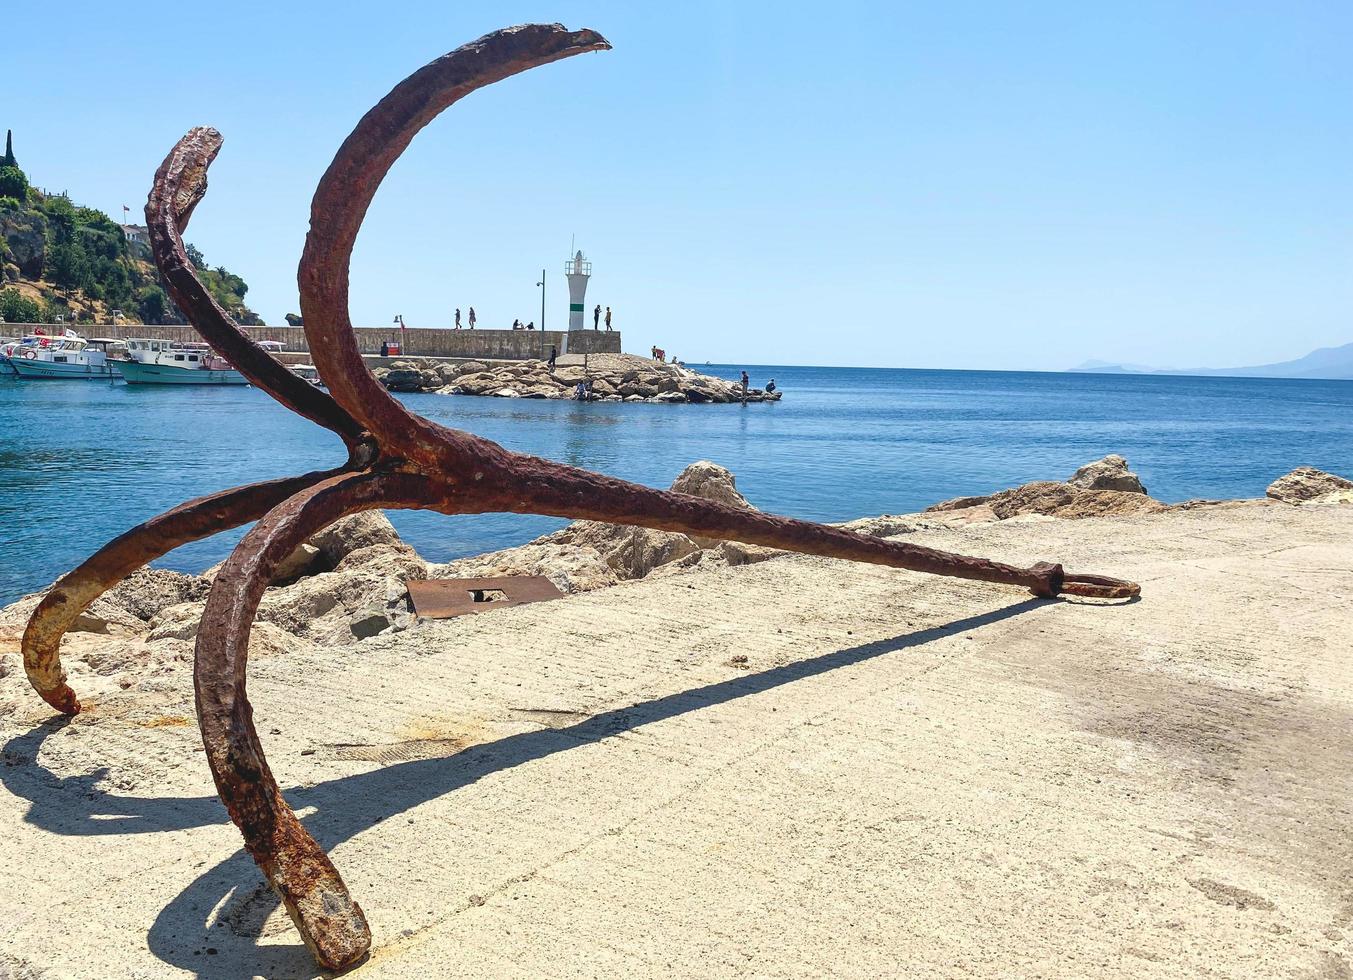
(83, 461)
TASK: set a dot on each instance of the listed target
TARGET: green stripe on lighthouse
(575, 307)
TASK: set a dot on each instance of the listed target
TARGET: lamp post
(402, 335)
(541, 284)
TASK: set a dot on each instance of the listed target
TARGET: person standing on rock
(608, 319)
(554, 353)
(472, 318)
(596, 315)
(457, 317)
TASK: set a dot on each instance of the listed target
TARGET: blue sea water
(80, 462)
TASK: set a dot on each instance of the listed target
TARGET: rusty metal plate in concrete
(449, 597)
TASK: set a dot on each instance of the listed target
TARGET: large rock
(177, 622)
(592, 554)
(634, 552)
(147, 591)
(1099, 489)
(1306, 485)
(1051, 498)
(303, 560)
(102, 616)
(478, 383)
(631, 552)
(348, 534)
(712, 482)
(737, 553)
(572, 568)
(404, 379)
(1109, 473)
(887, 526)
(321, 607)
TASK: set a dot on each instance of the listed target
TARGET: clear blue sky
(986, 185)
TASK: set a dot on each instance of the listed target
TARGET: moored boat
(164, 362)
(68, 358)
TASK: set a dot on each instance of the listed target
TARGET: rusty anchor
(396, 459)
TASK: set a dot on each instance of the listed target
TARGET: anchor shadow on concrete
(347, 806)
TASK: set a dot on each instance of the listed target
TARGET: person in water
(745, 382)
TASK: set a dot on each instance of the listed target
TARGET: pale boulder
(572, 568)
(632, 552)
(712, 482)
(1109, 473)
(1306, 485)
(348, 534)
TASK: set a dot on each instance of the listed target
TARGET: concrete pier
(501, 345)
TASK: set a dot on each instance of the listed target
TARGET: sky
(957, 185)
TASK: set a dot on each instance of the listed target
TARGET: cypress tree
(8, 159)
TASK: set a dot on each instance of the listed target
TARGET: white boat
(70, 357)
(15, 347)
(166, 362)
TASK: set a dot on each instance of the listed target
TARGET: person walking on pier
(608, 319)
(472, 318)
(596, 315)
(457, 317)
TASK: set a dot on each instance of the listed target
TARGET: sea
(82, 461)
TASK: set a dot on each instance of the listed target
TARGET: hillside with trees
(61, 260)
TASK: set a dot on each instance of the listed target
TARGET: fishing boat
(166, 362)
(69, 358)
(16, 346)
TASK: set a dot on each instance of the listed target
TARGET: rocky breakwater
(346, 584)
(350, 582)
(610, 377)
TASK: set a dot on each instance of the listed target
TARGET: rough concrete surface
(907, 775)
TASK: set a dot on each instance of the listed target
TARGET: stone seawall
(501, 345)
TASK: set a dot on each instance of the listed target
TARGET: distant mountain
(1109, 367)
(1334, 363)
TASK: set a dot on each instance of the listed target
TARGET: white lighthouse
(578, 270)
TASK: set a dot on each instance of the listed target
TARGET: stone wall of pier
(504, 345)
